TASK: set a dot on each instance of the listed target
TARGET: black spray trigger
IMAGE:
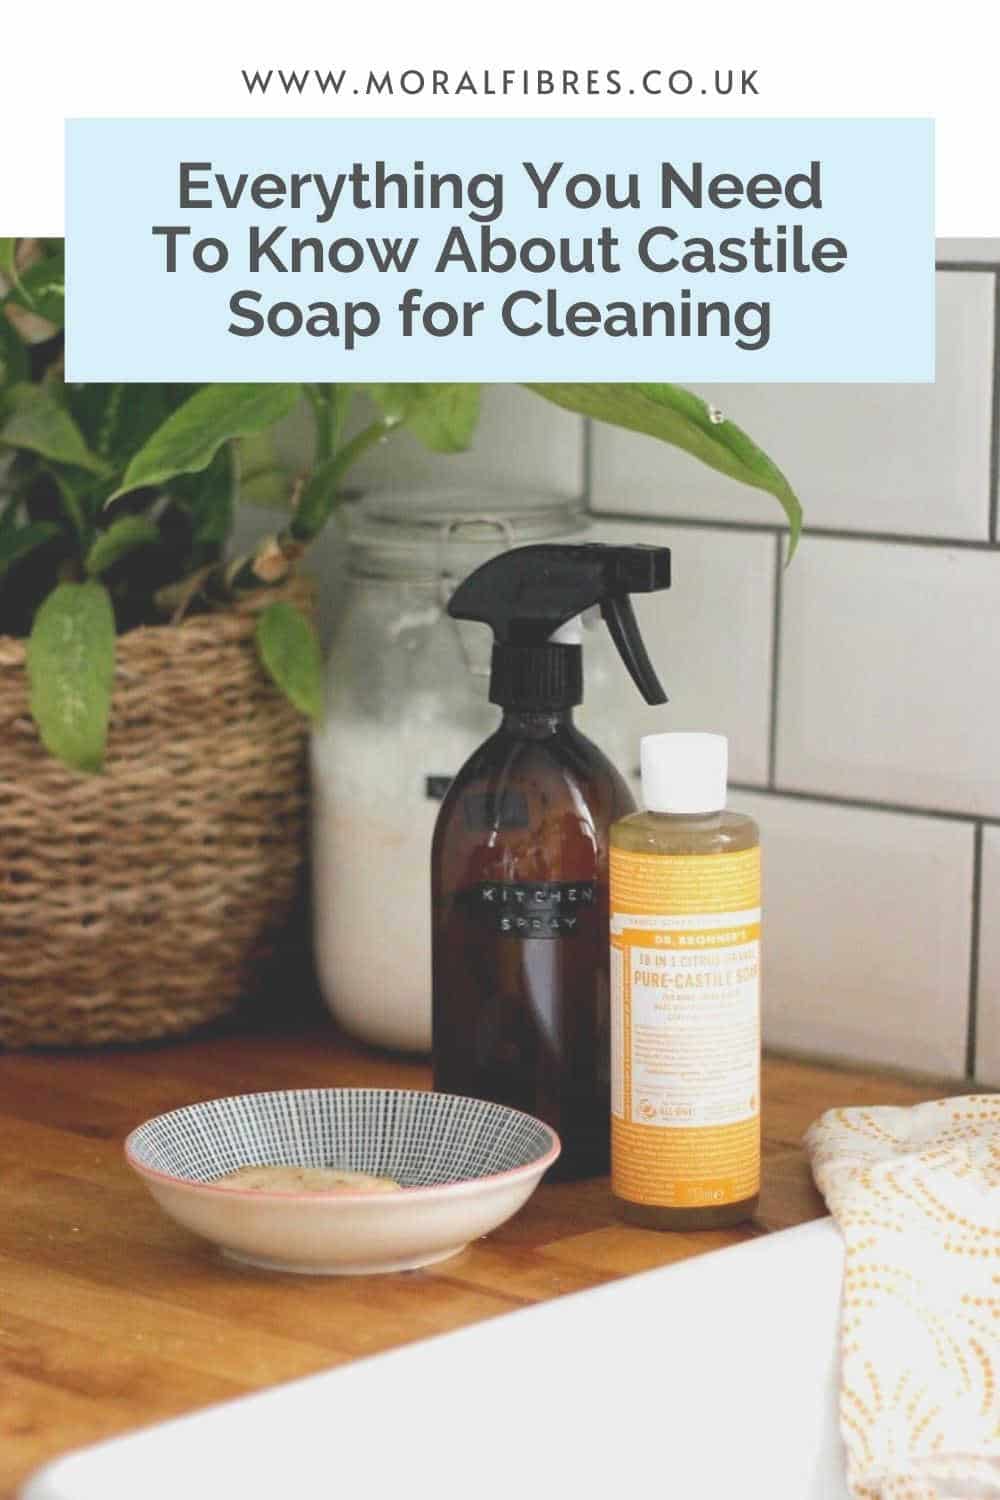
(528, 595)
(620, 619)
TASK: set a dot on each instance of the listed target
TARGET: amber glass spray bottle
(520, 859)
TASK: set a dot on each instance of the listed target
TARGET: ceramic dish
(464, 1167)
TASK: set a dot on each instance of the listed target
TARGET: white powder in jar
(374, 811)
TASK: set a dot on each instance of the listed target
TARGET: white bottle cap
(684, 772)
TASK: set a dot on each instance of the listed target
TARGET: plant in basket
(155, 690)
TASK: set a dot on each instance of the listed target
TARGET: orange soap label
(685, 1027)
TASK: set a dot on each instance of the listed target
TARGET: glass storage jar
(406, 706)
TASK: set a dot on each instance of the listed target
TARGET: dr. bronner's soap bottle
(685, 994)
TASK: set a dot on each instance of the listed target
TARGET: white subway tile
(522, 442)
(988, 1017)
(980, 252)
(866, 932)
(709, 637)
(913, 459)
(890, 660)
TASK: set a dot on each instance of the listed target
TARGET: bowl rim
(463, 1186)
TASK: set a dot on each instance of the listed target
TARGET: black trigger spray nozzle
(529, 595)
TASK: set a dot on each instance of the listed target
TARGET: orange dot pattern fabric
(916, 1195)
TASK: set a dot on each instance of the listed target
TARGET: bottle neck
(535, 723)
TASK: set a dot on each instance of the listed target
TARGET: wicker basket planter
(137, 904)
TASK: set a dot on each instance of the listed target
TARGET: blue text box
(871, 320)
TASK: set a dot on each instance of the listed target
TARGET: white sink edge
(718, 1374)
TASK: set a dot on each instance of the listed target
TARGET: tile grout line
(776, 623)
(972, 1023)
(994, 495)
(587, 438)
(820, 533)
(868, 804)
(986, 266)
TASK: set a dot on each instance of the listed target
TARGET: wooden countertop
(111, 1317)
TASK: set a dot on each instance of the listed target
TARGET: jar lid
(431, 534)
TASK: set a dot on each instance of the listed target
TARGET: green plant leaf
(209, 498)
(35, 419)
(263, 478)
(321, 494)
(443, 417)
(121, 537)
(10, 510)
(17, 541)
(70, 501)
(191, 436)
(118, 419)
(679, 417)
(330, 405)
(288, 647)
(8, 262)
(41, 288)
(14, 363)
(71, 668)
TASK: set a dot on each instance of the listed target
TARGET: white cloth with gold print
(916, 1194)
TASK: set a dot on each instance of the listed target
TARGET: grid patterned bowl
(465, 1165)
